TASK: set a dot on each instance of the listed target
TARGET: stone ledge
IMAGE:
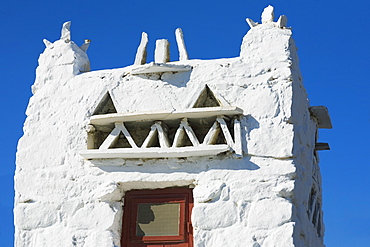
(155, 152)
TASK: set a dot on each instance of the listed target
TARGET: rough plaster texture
(261, 199)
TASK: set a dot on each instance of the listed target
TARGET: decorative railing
(195, 132)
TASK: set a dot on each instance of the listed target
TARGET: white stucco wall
(258, 200)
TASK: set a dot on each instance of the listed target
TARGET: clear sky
(333, 41)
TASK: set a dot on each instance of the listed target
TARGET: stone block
(270, 213)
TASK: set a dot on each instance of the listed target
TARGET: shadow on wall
(249, 123)
(172, 165)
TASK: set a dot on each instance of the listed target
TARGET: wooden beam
(322, 146)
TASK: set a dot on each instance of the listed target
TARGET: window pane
(158, 219)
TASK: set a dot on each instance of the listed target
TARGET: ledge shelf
(163, 115)
(159, 68)
(147, 153)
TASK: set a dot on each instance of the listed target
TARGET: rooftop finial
(282, 21)
(251, 23)
(267, 14)
(162, 51)
(47, 43)
(141, 50)
(268, 17)
(181, 45)
(66, 32)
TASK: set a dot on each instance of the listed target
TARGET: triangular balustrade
(221, 136)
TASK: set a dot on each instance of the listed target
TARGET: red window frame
(183, 196)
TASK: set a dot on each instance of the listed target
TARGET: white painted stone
(206, 192)
(110, 192)
(203, 215)
(141, 50)
(98, 216)
(29, 216)
(162, 51)
(159, 68)
(47, 43)
(166, 115)
(183, 54)
(267, 14)
(282, 21)
(61, 61)
(270, 213)
(66, 32)
(251, 23)
(281, 236)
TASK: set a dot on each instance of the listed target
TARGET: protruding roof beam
(321, 113)
(322, 146)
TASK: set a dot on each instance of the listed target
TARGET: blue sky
(333, 42)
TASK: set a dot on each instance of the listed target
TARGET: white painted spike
(141, 50)
(251, 23)
(66, 31)
(282, 21)
(183, 54)
(47, 43)
(267, 14)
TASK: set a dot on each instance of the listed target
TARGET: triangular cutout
(206, 99)
(105, 106)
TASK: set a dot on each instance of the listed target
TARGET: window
(158, 218)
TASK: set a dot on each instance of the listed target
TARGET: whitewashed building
(203, 153)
